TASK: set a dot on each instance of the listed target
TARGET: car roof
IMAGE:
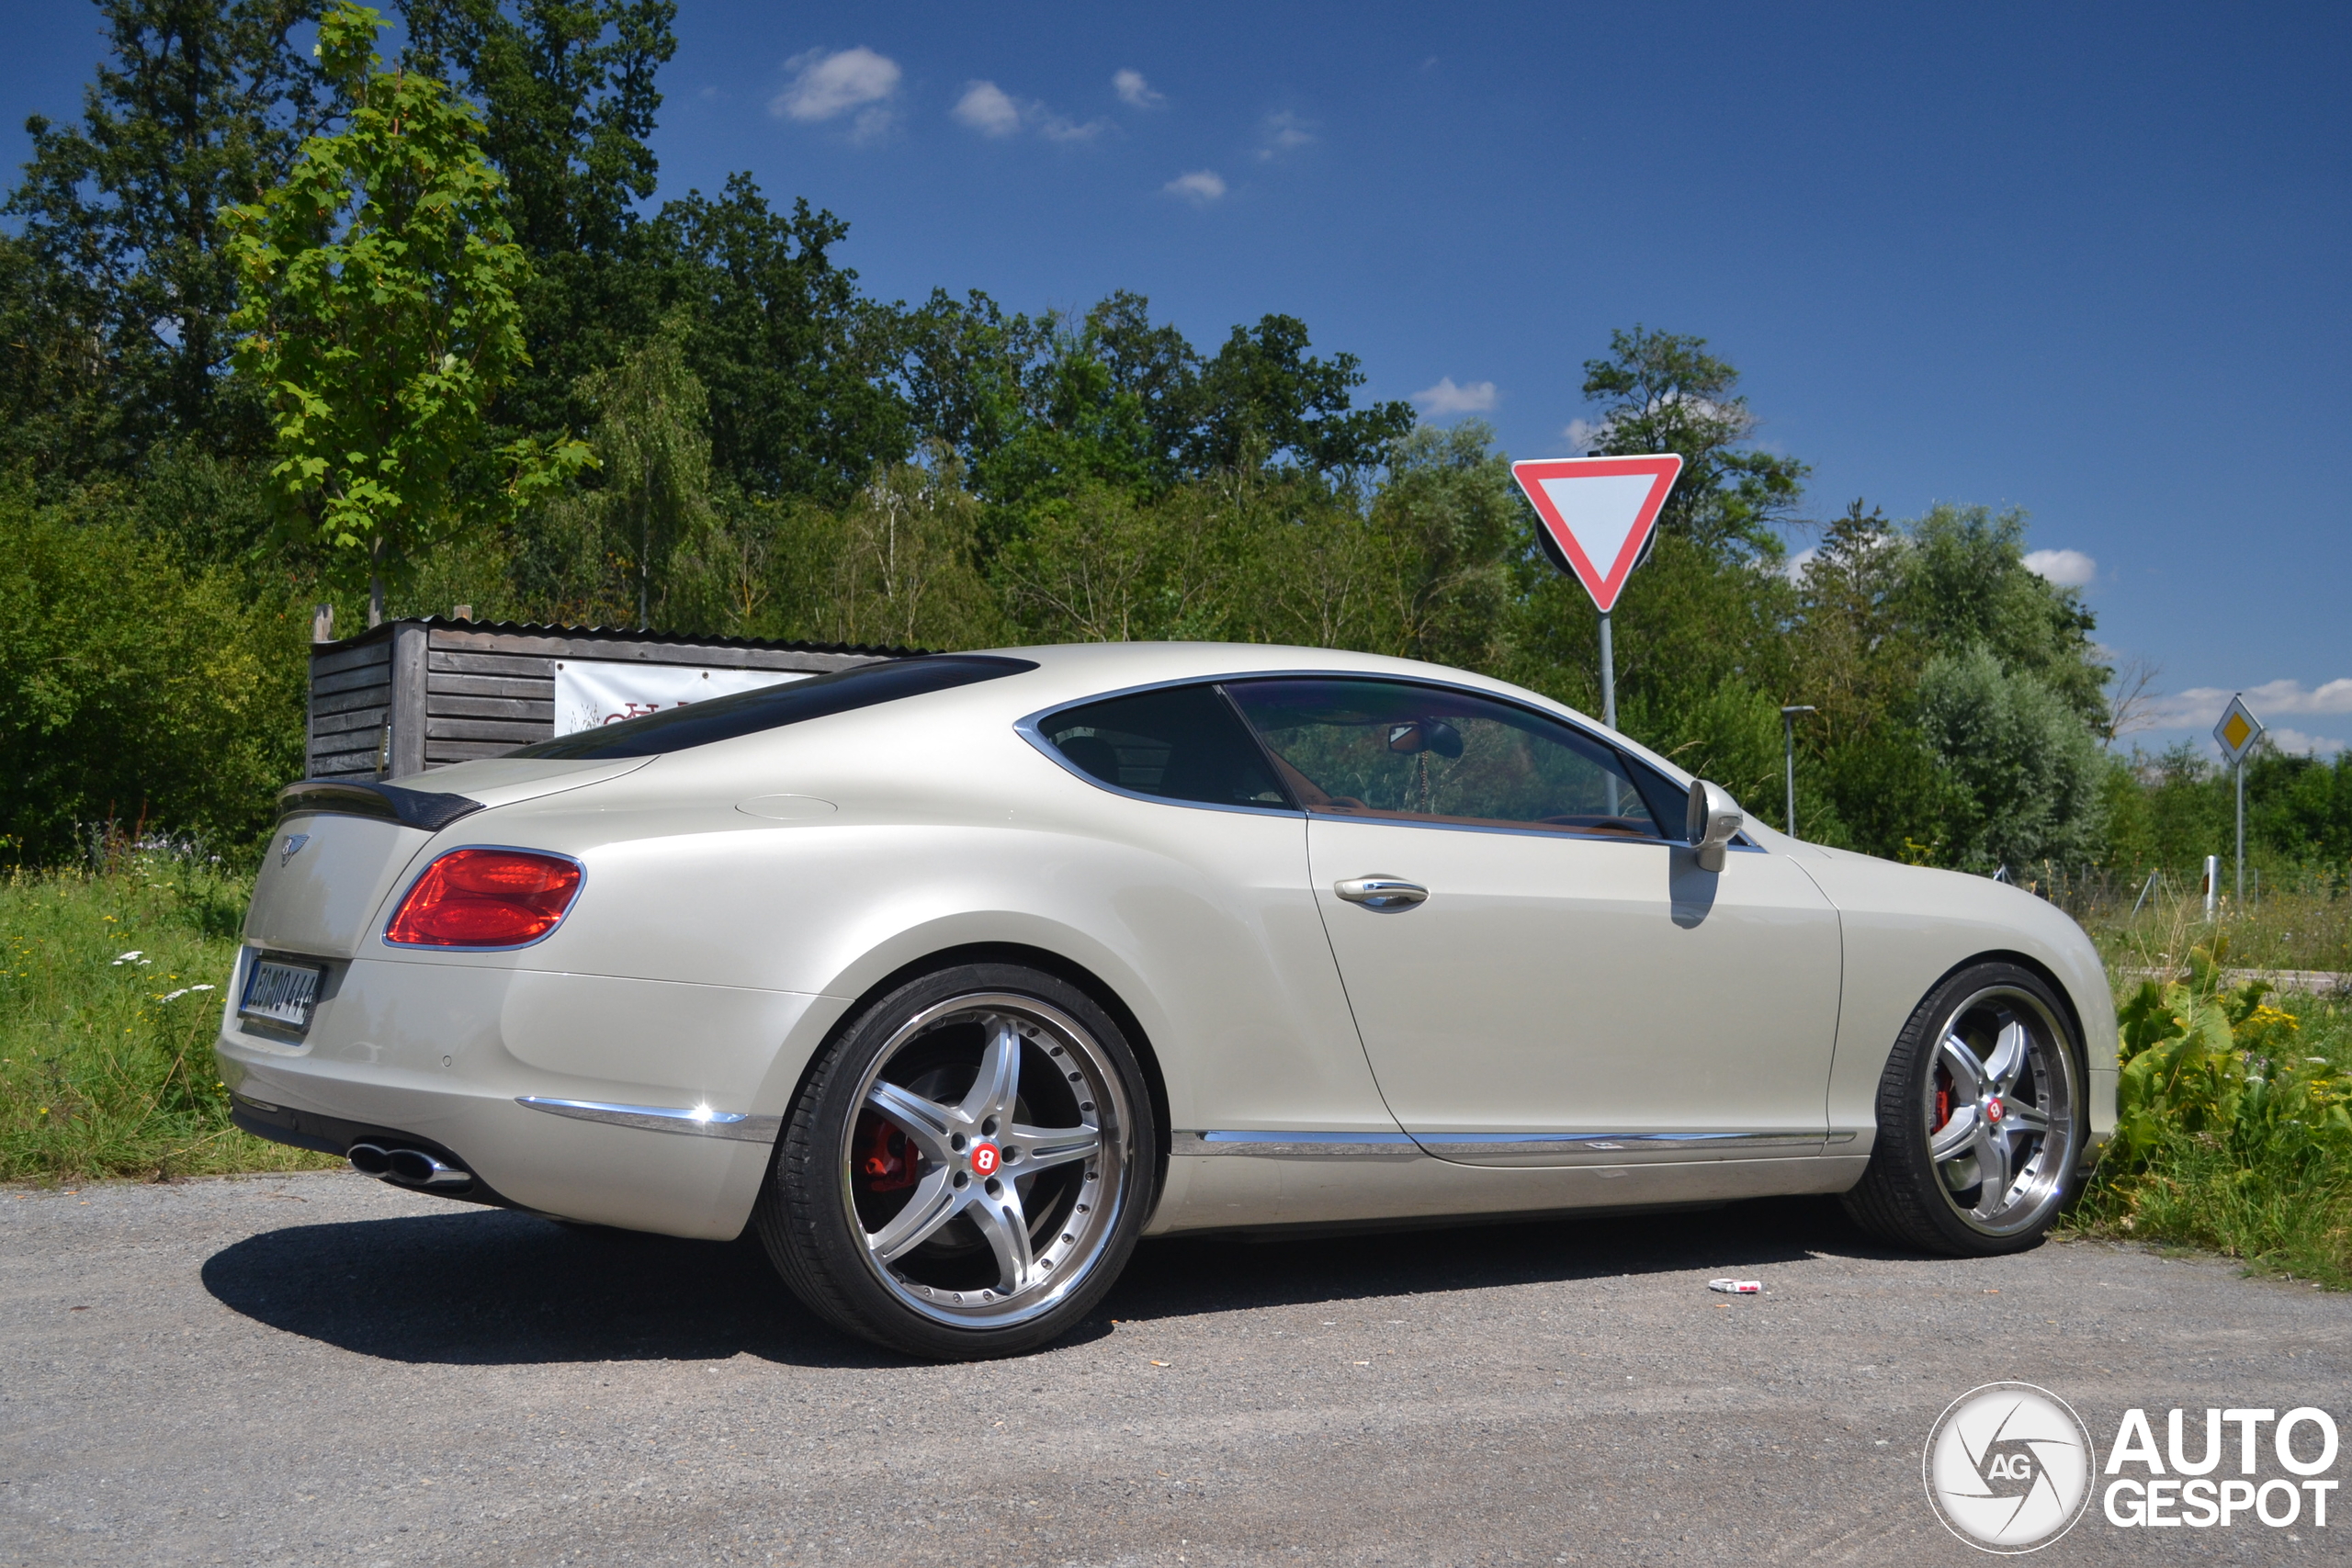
(1069, 672)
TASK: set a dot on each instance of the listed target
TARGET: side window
(1389, 748)
(1183, 743)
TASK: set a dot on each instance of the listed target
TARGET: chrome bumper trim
(700, 1121)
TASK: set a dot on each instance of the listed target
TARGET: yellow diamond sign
(2238, 730)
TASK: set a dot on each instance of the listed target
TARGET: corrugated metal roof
(615, 633)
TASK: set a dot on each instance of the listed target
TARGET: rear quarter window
(1183, 743)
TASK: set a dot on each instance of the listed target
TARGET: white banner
(594, 692)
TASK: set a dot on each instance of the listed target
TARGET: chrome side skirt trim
(1471, 1145)
(1297, 1145)
(700, 1119)
(1549, 1148)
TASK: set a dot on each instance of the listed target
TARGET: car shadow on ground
(1179, 1276)
(489, 1287)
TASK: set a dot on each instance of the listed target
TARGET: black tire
(1000, 1252)
(1938, 1126)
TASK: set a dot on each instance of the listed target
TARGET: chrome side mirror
(1712, 819)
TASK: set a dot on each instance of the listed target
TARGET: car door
(1551, 980)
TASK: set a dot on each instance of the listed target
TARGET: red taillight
(485, 898)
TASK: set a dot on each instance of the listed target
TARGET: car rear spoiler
(388, 803)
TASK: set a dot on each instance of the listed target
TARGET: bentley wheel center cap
(985, 1159)
(1993, 1109)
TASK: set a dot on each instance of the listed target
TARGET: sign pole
(2237, 733)
(1608, 676)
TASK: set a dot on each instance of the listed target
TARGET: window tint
(1389, 748)
(1670, 803)
(770, 707)
(1183, 743)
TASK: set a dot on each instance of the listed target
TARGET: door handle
(1381, 892)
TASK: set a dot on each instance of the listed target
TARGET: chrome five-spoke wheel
(2000, 1108)
(967, 1165)
(983, 1168)
(1980, 1118)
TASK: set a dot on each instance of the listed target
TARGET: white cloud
(1285, 132)
(1200, 187)
(988, 109)
(1446, 397)
(2068, 569)
(824, 87)
(1583, 434)
(1794, 568)
(2201, 706)
(2296, 741)
(1135, 91)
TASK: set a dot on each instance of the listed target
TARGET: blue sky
(2089, 260)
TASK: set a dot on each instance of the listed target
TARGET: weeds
(109, 1001)
(2234, 1124)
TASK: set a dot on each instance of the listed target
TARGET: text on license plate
(282, 993)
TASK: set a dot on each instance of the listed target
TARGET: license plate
(282, 993)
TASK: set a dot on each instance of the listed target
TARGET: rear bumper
(332, 1135)
(443, 1056)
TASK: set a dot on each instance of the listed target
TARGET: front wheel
(966, 1168)
(1980, 1119)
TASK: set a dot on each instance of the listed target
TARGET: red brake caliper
(1943, 1100)
(884, 1160)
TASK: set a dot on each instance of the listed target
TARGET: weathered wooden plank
(441, 753)
(511, 732)
(523, 709)
(477, 644)
(344, 659)
(324, 725)
(509, 664)
(357, 765)
(439, 684)
(407, 729)
(351, 680)
(354, 742)
(345, 701)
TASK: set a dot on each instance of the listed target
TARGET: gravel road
(321, 1369)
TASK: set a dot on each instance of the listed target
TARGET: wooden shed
(408, 696)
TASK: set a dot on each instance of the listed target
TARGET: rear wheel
(1979, 1119)
(968, 1167)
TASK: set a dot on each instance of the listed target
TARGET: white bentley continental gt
(954, 976)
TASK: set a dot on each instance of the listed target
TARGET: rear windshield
(772, 707)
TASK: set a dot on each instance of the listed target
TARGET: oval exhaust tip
(415, 1167)
(369, 1159)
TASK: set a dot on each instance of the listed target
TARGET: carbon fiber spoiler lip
(387, 803)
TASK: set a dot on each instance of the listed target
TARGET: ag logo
(2008, 1467)
(293, 846)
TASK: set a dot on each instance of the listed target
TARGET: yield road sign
(1599, 512)
(2238, 730)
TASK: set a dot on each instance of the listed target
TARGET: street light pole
(1789, 735)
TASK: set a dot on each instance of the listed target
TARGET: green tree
(567, 94)
(654, 463)
(380, 318)
(119, 285)
(2029, 768)
(794, 358)
(1265, 398)
(1663, 392)
(135, 685)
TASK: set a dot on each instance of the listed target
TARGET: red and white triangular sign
(1599, 511)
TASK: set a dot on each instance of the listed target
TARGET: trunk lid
(341, 848)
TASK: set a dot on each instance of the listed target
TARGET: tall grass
(110, 1000)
